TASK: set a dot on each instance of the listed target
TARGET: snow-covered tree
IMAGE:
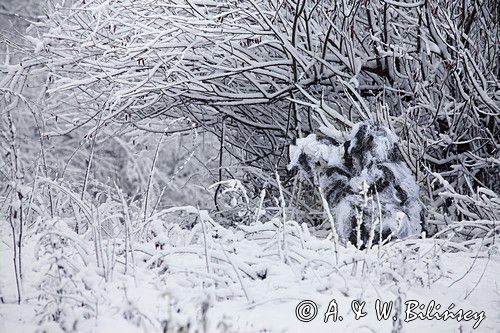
(258, 74)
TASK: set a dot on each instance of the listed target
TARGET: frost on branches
(371, 193)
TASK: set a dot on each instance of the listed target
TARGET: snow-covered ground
(247, 279)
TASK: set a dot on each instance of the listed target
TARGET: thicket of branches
(259, 74)
(108, 114)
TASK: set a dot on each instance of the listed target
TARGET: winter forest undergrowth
(249, 166)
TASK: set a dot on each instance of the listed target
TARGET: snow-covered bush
(110, 113)
(369, 189)
(65, 277)
(258, 74)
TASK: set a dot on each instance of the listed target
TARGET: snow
(315, 150)
(101, 232)
(172, 286)
(37, 42)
